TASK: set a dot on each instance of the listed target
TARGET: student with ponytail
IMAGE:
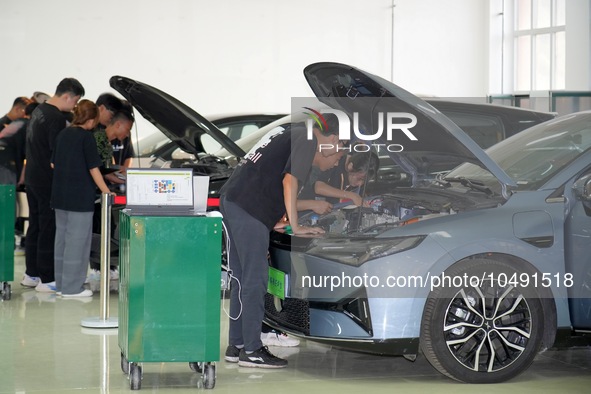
(76, 175)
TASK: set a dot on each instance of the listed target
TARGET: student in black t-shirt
(12, 142)
(262, 188)
(17, 111)
(75, 162)
(12, 162)
(47, 121)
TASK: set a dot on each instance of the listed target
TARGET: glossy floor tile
(44, 349)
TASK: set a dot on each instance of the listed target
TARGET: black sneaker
(232, 353)
(261, 358)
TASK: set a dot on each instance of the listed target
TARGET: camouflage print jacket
(105, 149)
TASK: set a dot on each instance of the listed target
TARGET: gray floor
(43, 349)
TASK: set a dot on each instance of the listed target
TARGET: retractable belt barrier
(103, 320)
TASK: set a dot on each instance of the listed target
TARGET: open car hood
(176, 120)
(440, 145)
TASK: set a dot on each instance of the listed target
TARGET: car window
(151, 143)
(237, 131)
(531, 158)
(485, 130)
(209, 144)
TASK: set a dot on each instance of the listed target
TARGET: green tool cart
(169, 292)
(7, 210)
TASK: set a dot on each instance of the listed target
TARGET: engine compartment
(377, 214)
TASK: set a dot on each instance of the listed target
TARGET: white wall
(219, 56)
(440, 47)
(239, 56)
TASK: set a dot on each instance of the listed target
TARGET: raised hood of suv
(440, 144)
(179, 122)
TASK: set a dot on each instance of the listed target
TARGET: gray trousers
(73, 232)
(249, 243)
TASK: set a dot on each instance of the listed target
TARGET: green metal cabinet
(7, 212)
(169, 291)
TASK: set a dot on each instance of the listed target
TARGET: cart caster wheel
(135, 376)
(124, 365)
(209, 376)
(196, 367)
(6, 291)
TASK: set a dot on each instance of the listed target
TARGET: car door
(578, 252)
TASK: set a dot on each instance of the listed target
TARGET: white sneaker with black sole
(261, 358)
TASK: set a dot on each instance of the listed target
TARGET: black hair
(20, 101)
(110, 102)
(364, 161)
(126, 106)
(123, 114)
(332, 125)
(69, 85)
(30, 107)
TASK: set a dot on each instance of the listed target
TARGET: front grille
(294, 314)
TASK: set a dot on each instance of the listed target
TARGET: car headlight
(354, 251)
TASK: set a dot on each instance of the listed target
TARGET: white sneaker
(46, 287)
(114, 274)
(30, 281)
(278, 339)
(83, 293)
(93, 276)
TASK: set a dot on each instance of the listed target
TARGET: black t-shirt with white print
(47, 121)
(257, 182)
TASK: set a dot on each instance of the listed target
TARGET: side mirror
(582, 188)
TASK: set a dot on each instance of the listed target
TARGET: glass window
(542, 62)
(542, 13)
(559, 13)
(559, 60)
(523, 69)
(539, 45)
(523, 14)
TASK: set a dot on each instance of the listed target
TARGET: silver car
(479, 268)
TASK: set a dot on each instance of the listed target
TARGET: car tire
(482, 330)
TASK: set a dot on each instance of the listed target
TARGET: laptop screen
(169, 189)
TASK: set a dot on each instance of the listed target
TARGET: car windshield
(532, 157)
(151, 143)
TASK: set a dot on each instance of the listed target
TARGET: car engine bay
(406, 206)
